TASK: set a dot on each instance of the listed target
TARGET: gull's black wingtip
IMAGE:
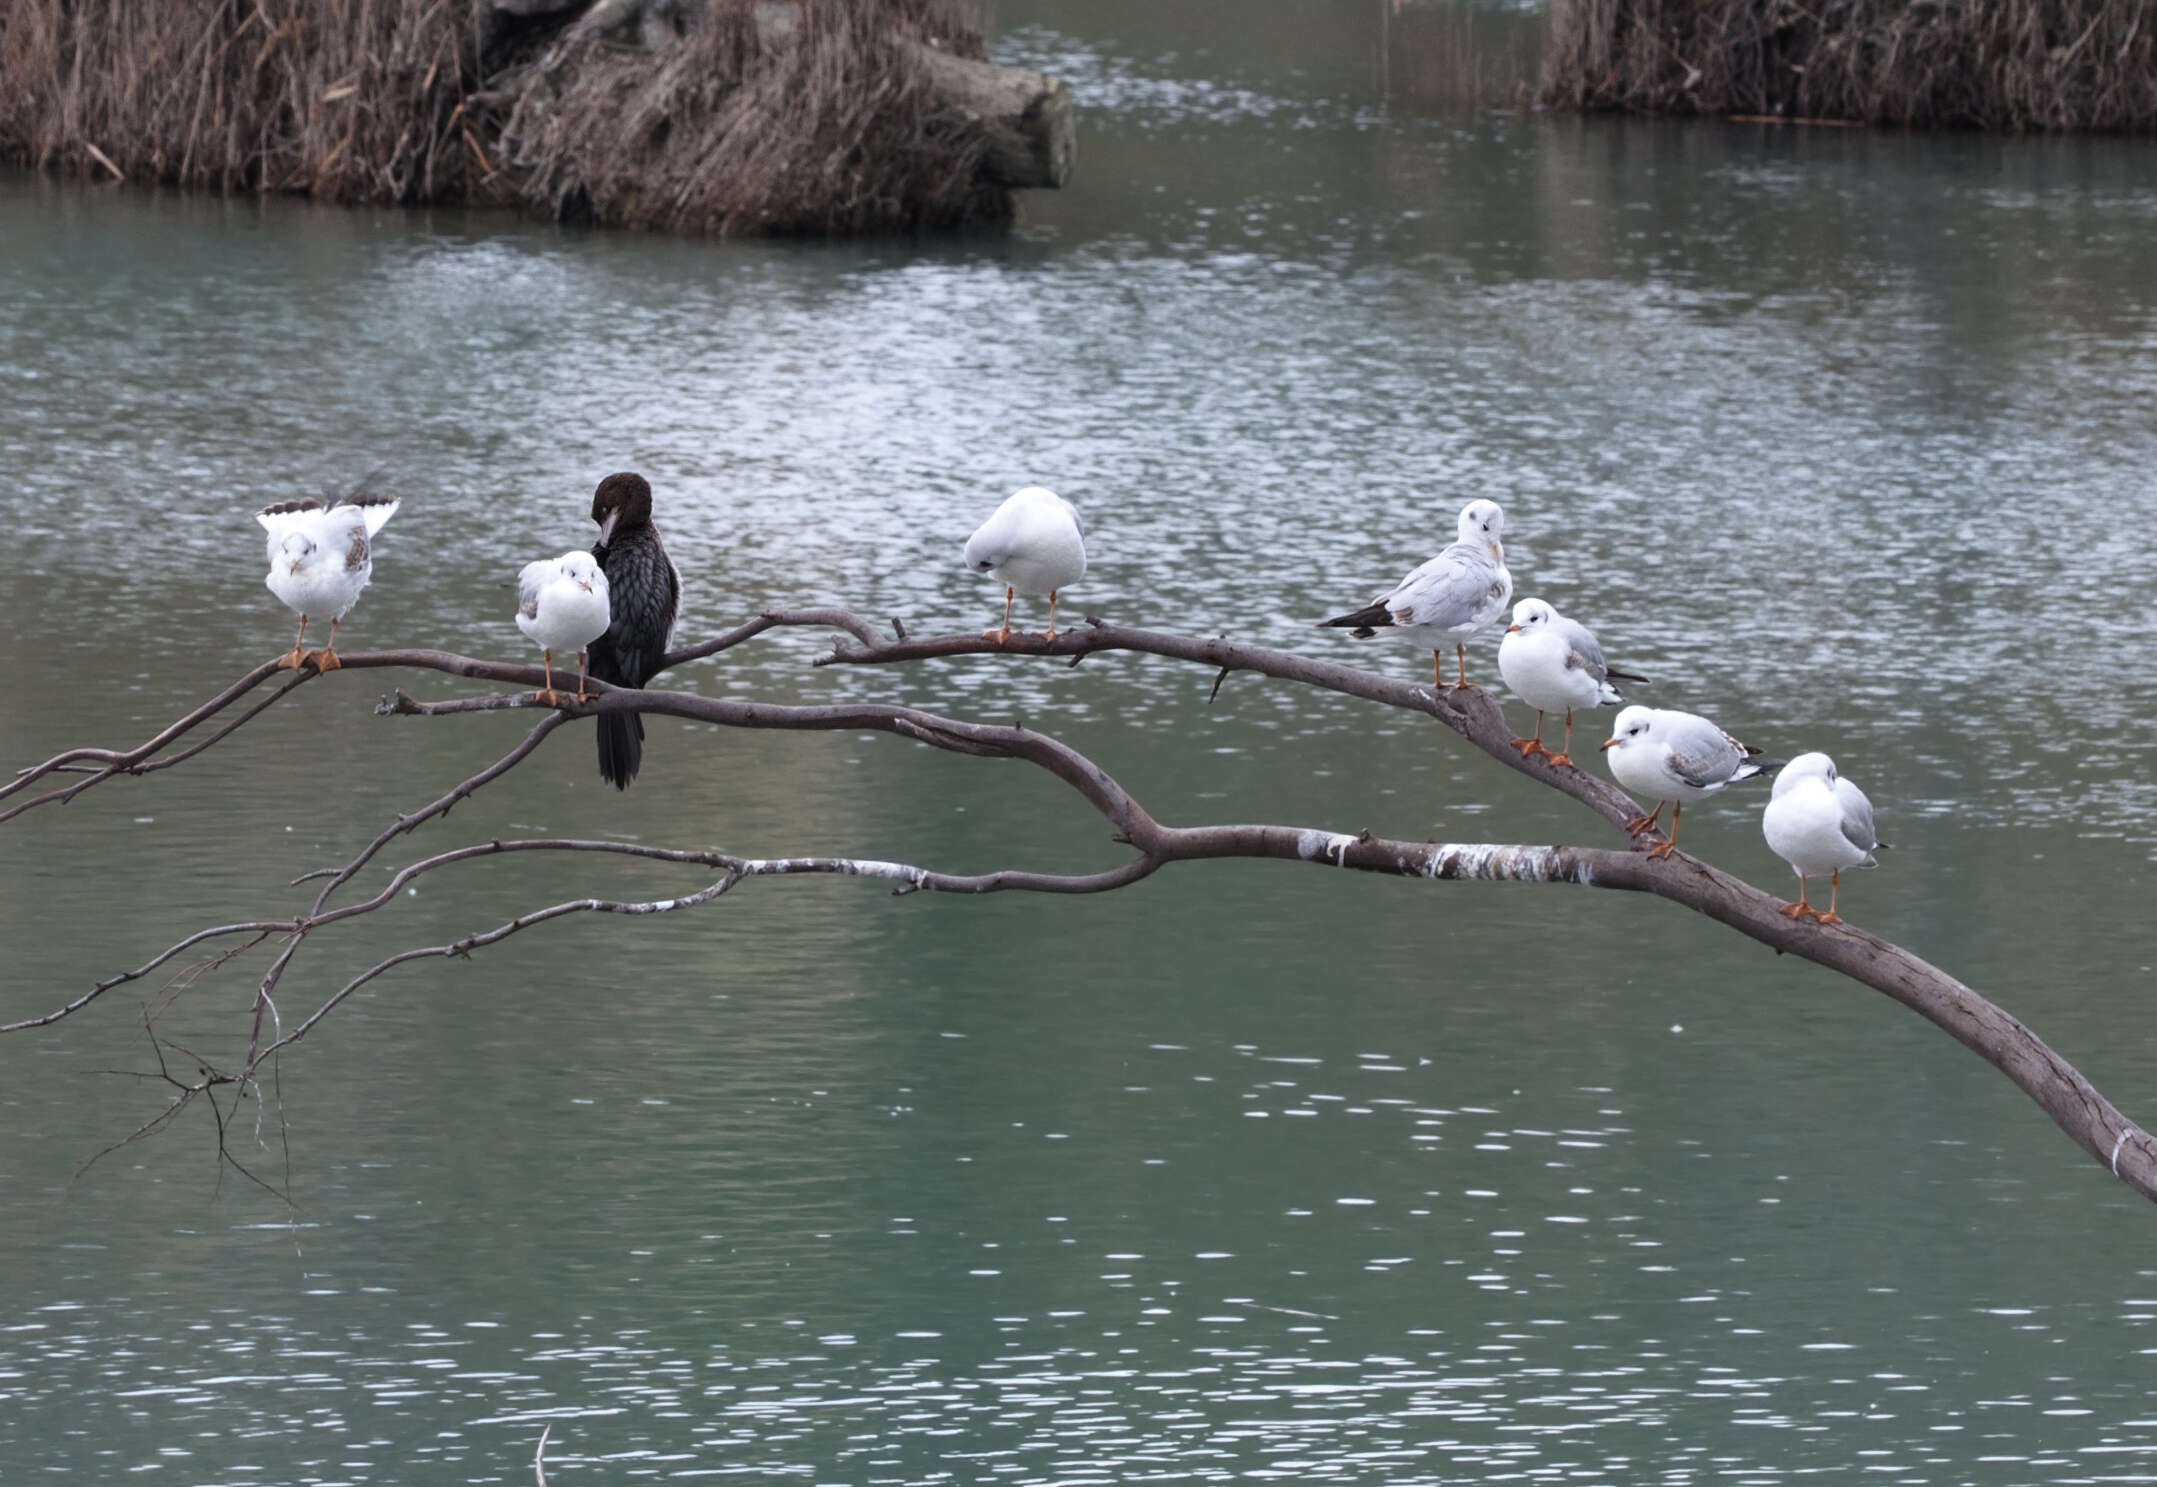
(1361, 623)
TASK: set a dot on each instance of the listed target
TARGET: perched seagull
(562, 604)
(1035, 544)
(1672, 757)
(320, 558)
(1819, 822)
(1449, 598)
(643, 591)
(1554, 662)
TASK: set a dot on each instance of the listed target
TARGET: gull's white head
(1530, 616)
(1482, 521)
(580, 567)
(1633, 726)
(1812, 766)
(295, 549)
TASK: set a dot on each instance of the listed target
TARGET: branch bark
(2053, 1083)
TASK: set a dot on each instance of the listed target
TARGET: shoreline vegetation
(2017, 66)
(735, 117)
(745, 117)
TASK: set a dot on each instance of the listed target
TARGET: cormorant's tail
(1365, 622)
(621, 747)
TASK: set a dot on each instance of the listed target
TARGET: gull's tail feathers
(1366, 622)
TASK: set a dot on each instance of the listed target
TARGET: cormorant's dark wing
(643, 593)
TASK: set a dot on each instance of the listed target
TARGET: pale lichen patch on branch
(1491, 862)
(1324, 846)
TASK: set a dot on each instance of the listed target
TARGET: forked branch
(2057, 1087)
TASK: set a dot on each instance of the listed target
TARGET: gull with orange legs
(1446, 600)
(1819, 822)
(1673, 757)
(321, 556)
(1552, 662)
(1036, 544)
(562, 603)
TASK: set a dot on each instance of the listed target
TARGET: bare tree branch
(103, 764)
(2054, 1084)
(259, 928)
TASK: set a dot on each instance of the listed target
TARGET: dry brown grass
(1990, 64)
(829, 128)
(354, 100)
(825, 125)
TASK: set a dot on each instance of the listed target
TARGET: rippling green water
(1252, 1170)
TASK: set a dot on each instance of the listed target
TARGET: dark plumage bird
(643, 590)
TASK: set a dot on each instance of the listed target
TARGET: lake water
(1252, 1171)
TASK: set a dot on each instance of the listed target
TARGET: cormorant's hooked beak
(606, 525)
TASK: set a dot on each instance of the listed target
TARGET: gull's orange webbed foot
(291, 661)
(1638, 824)
(999, 636)
(1049, 633)
(1558, 759)
(1529, 746)
(1830, 917)
(1661, 851)
(1795, 911)
(325, 659)
(547, 697)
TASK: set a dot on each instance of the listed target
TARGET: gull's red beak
(1512, 629)
(1608, 743)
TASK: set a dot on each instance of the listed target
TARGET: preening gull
(1819, 822)
(1553, 662)
(1449, 598)
(1672, 757)
(321, 556)
(1035, 543)
(562, 604)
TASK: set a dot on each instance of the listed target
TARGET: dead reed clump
(351, 100)
(732, 116)
(812, 117)
(1990, 64)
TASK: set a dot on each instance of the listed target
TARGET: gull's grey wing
(1701, 754)
(533, 578)
(1583, 654)
(1857, 826)
(345, 533)
(1452, 589)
